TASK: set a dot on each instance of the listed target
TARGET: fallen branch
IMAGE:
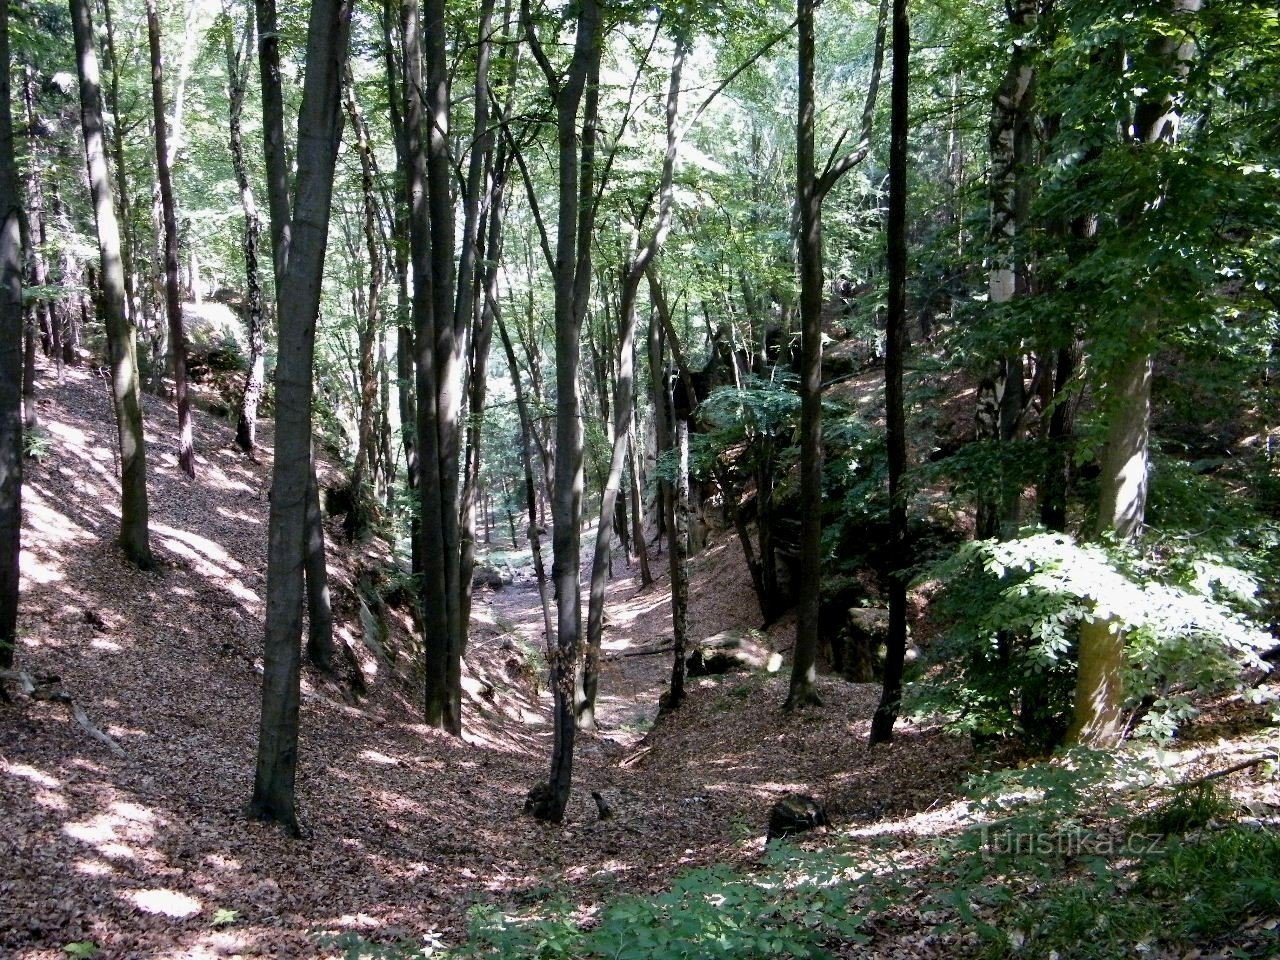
(1234, 768)
(45, 691)
(646, 652)
(635, 756)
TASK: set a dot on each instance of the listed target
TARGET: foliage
(793, 907)
(1012, 610)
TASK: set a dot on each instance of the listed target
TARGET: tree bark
(173, 305)
(633, 274)
(127, 244)
(811, 190)
(369, 328)
(571, 282)
(251, 244)
(678, 555)
(530, 487)
(121, 343)
(895, 414)
(302, 260)
(281, 212)
(11, 333)
(1122, 483)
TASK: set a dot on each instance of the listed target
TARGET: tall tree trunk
(803, 691)
(530, 487)
(1011, 139)
(1122, 484)
(11, 324)
(121, 342)
(895, 413)
(678, 521)
(369, 329)
(438, 368)
(319, 132)
(251, 242)
(278, 203)
(173, 305)
(571, 283)
(637, 509)
(811, 189)
(43, 307)
(124, 203)
(633, 274)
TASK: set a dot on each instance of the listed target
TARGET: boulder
(796, 813)
(491, 576)
(731, 651)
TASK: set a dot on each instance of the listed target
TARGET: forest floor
(149, 854)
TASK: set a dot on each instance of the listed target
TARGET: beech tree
(811, 189)
(571, 281)
(895, 412)
(301, 258)
(121, 333)
(633, 272)
(238, 64)
(1122, 490)
(11, 324)
(173, 305)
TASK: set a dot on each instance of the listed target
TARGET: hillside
(143, 854)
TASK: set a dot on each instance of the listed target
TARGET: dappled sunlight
(168, 903)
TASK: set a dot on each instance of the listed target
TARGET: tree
(173, 306)
(11, 325)
(319, 611)
(1122, 489)
(302, 258)
(811, 190)
(572, 278)
(121, 339)
(895, 414)
(633, 272)
(254, 303)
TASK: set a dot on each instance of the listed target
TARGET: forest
(614, 479)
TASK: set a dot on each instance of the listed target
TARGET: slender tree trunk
(302, 260)
(251, 244)
(320, 646)
(895, 346)
(30, 412)
(530, 487)
(803, 691)
(572, 280)
(121, 343)
(11, 324)
(637, 510)
(811, 189)
(678, 520)
(43, 307)
(370, 326)
(128, 244)
(278, 202)
(633, 274)
(173, 305)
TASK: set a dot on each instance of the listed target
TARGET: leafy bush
(1012, 610)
